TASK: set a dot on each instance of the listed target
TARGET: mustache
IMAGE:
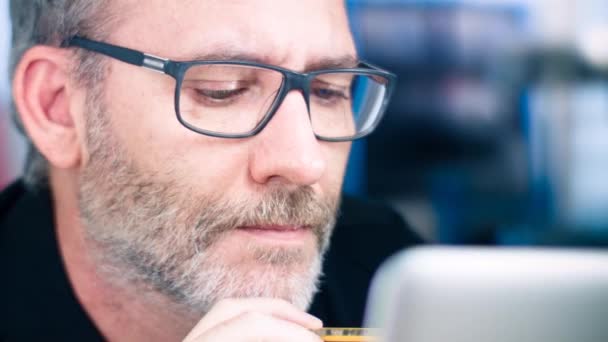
(299, 207)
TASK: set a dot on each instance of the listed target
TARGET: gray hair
(49, 22)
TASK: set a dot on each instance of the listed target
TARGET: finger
(230, 308)
(255, 326)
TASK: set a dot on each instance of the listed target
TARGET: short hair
(49, 22)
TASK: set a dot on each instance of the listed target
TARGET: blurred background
(498, 131)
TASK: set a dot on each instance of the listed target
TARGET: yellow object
(348, 338)
(347, 335)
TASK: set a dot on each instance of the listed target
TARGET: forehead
(291, 33)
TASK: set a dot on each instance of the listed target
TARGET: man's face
(199, 218)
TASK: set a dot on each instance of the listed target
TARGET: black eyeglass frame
(292, 80)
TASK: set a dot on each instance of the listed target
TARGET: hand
(255, 319)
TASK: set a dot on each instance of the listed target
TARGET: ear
(40, 91)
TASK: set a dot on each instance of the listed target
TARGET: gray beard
(162, 235)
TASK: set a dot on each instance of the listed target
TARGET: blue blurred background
(498, 131)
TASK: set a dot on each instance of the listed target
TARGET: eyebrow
(337, 62)
(346, 61)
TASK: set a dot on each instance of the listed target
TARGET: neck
(118, 309)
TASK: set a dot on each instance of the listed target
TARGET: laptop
(435, 294)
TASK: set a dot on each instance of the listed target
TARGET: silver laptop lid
(438, 294)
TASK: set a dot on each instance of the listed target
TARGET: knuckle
(281, 304)
(254, 316)
(226, 304)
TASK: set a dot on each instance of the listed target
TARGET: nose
(287, 150)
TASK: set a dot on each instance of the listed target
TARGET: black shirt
(37, 302)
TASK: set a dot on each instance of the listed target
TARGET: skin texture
(111, 146)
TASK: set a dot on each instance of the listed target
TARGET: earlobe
(40, 91)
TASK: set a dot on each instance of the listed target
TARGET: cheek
(209, 164)
(336, 155)
(140, 105)
(146, 126)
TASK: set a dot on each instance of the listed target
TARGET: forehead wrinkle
(230, 53)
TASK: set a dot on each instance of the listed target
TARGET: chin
(256, 270)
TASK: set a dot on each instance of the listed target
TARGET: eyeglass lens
(234, 99)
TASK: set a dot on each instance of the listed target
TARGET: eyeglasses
(237, 99)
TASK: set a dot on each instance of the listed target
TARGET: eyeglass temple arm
(367, 65)
(121, 53)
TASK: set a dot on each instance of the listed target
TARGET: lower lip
(284, 235)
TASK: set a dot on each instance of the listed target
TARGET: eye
(328, 94)
(221, 94)
(212, 93)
